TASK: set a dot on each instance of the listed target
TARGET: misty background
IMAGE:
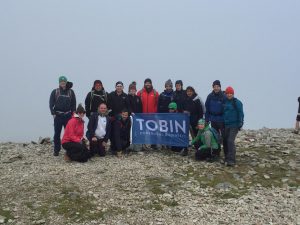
(252, 46)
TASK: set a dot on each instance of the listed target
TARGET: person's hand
(104, 144)
(94, 139)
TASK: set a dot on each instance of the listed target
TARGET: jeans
(229, 144)
(60, 121)
(219, 126)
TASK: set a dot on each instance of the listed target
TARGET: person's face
(63, 84)
(229, 96)
(178, 87)
(124, 115)
(189, 92)
(168, 88)
(81, 115)
(102, 108)
(201, 126)
(119, 88)
(148, 85)
(216, 88)
(132, 91)
(98, 87)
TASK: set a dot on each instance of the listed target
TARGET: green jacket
(206, 138)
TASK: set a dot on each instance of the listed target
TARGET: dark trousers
(229, 144)
(60, 121)
(206, 153)
(77, 151)
(219, 126)
(97, 147)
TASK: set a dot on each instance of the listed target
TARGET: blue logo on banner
(170, 129)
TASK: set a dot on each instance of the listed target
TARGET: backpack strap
(57, 93)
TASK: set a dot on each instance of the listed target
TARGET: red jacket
(149, 100)
(74, 130)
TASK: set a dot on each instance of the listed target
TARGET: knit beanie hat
(132, 86)
(62, 79)
(201, 122)
(216, 82)
(148, 80)
(80, 109)
(169, 83)
(119, 82)
(179, 82)
(229, 90)
(97, 82)
(172, 105)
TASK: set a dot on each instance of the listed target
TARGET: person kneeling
(98, 132)
(208, 143)
(120, 139)
(73, 141)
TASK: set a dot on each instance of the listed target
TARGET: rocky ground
(154, 187)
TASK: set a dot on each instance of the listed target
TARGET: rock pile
(154, 187)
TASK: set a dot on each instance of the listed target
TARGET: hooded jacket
(149, 100)
(93, 100)
(135, 103)
(233, 113)
(74, 130)
(214, 107)
(179, 97)
(206, 138)
(121, 133)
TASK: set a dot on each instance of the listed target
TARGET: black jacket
(179, 97)
(92, 126)
(120, 134)
(117, 102)
(62, 101)
(135, 103)
(194, 107)
(93, 100)
(165, 98)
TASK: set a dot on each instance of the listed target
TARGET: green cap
(172, 105)
(62, 78)
(201, 122)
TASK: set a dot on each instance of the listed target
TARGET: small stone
(266, 176)
(2, 219)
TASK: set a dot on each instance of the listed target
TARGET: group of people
(109, 118)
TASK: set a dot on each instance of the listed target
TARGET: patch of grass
(153, 206)
(157, 185)
(7, 214)
(170, 203)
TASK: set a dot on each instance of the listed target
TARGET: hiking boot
(67, 158)
(296, 131)
(184, 152)
(55, 153)
(229, 164)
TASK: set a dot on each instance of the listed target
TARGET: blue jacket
(214, 107)
(233, 113)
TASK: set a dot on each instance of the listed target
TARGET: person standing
(73, 141)
(233, 120)
(179, 95)
(99, 130)
(149, 97)
(296, 131)
(193, 106)
(62, 104)
(117, 100)
(214, 110)
(94, 98)
(165, 98)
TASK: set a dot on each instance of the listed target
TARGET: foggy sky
(251, 45)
